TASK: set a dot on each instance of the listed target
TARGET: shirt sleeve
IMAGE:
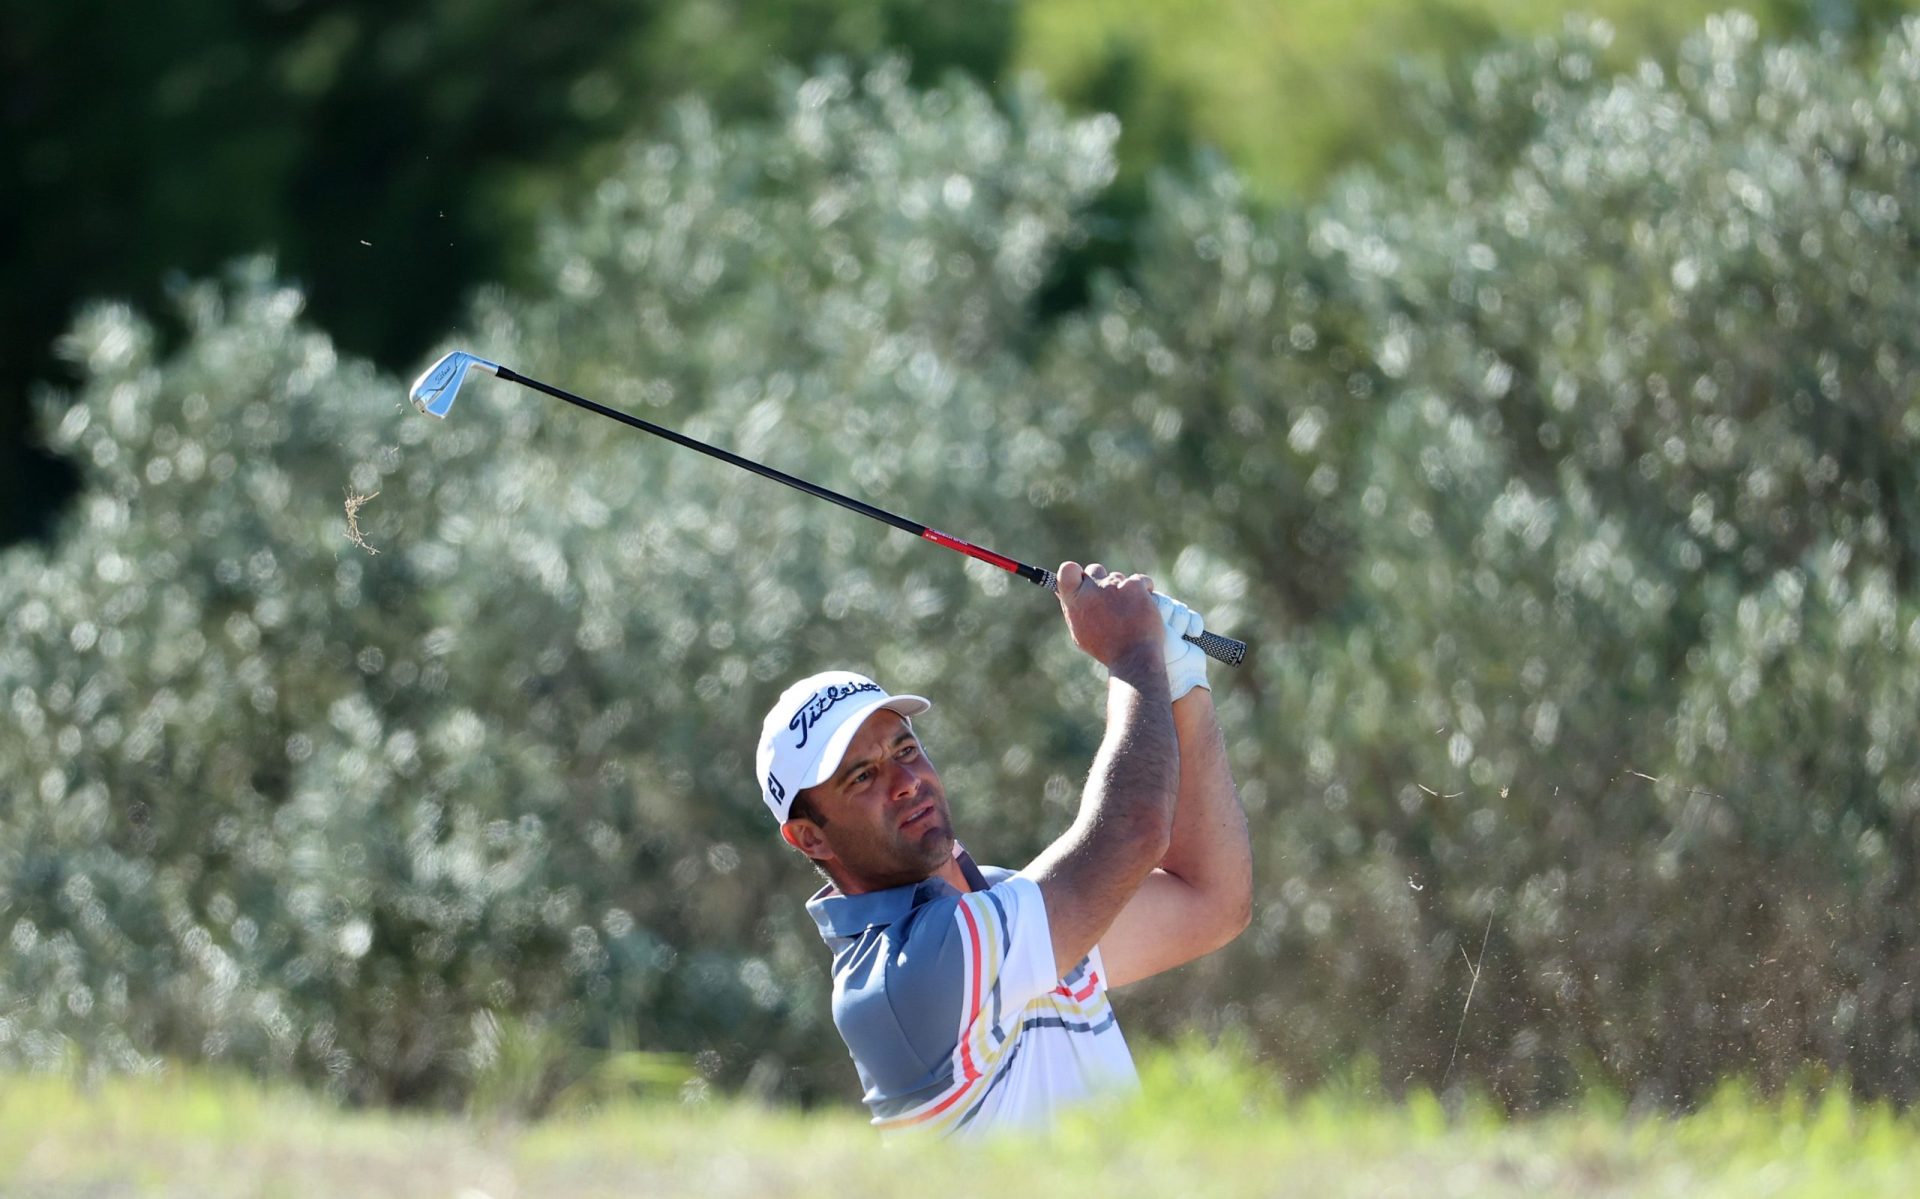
(1006, 947)
(920, 1013)
(959, 966)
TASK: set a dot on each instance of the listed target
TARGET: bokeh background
(1537, 389)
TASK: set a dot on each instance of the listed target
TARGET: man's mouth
(917, 816)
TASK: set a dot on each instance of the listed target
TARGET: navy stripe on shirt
(1006, 1067)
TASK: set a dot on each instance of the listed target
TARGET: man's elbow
(1148, 834)
(1234, 918)
(1243, 914)
(1235, 911)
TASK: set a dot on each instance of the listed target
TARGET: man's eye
(909, 752)
(861, 777)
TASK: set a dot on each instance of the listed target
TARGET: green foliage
(1582, 476)
(1647, 381)
(273, 799)
(523, 1068)
(1566, 492)
(1295, 94)
(394, 155)
(1176, 1136)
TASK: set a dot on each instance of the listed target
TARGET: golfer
(974, 999)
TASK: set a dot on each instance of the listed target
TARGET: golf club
(434, 391)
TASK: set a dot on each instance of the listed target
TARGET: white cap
(808, 729)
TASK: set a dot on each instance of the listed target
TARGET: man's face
(885, 813)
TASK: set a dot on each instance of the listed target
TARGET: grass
(1291, 92)
(1204, 1125)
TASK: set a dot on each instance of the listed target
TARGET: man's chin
(914, 864)
(931, 849)
(942, 838)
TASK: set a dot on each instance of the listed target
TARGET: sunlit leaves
(1567, 498)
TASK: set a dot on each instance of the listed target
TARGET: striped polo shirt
(956, 1018)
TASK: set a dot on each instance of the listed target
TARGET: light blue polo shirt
(953, 1011)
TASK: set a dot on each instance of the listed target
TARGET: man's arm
(1123, 829)
(1201, 897)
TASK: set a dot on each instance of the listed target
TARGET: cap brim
(836, 747)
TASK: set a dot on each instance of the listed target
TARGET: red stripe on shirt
(971, 1072)
(973, 995)
(920, 1117)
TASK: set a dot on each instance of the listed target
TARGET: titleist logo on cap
(821, 703)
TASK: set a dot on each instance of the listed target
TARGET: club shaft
(1224, 649)
(1033, 573)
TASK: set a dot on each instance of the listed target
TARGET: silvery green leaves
(290, 803)
(1580, 477)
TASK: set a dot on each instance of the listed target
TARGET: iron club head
(434, 391)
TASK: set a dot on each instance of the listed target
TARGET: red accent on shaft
(972, 551)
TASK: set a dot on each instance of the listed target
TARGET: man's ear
(807, 837)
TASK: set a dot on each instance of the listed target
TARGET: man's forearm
(1209, 847)
(1095, 868)
(1137, 770)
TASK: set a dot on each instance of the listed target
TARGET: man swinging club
(975, 999)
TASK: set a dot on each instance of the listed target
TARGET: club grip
(1213, 645)
(1220, 649)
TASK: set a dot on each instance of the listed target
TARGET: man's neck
(949, 872)
(952, 873)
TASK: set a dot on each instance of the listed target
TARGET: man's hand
(1112, 617)
(1186, 662)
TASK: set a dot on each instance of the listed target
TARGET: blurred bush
(1294, 94)
(1565, 491)
(1612, 622)
(272, 798)
(394, 154)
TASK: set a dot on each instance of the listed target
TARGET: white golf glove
(1186, 664)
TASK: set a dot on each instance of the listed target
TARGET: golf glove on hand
(1186, 664)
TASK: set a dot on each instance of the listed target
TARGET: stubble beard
(931, 846)
(912, 857)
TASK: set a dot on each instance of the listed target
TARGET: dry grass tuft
(354, 504)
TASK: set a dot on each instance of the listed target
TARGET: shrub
(1567, 499)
